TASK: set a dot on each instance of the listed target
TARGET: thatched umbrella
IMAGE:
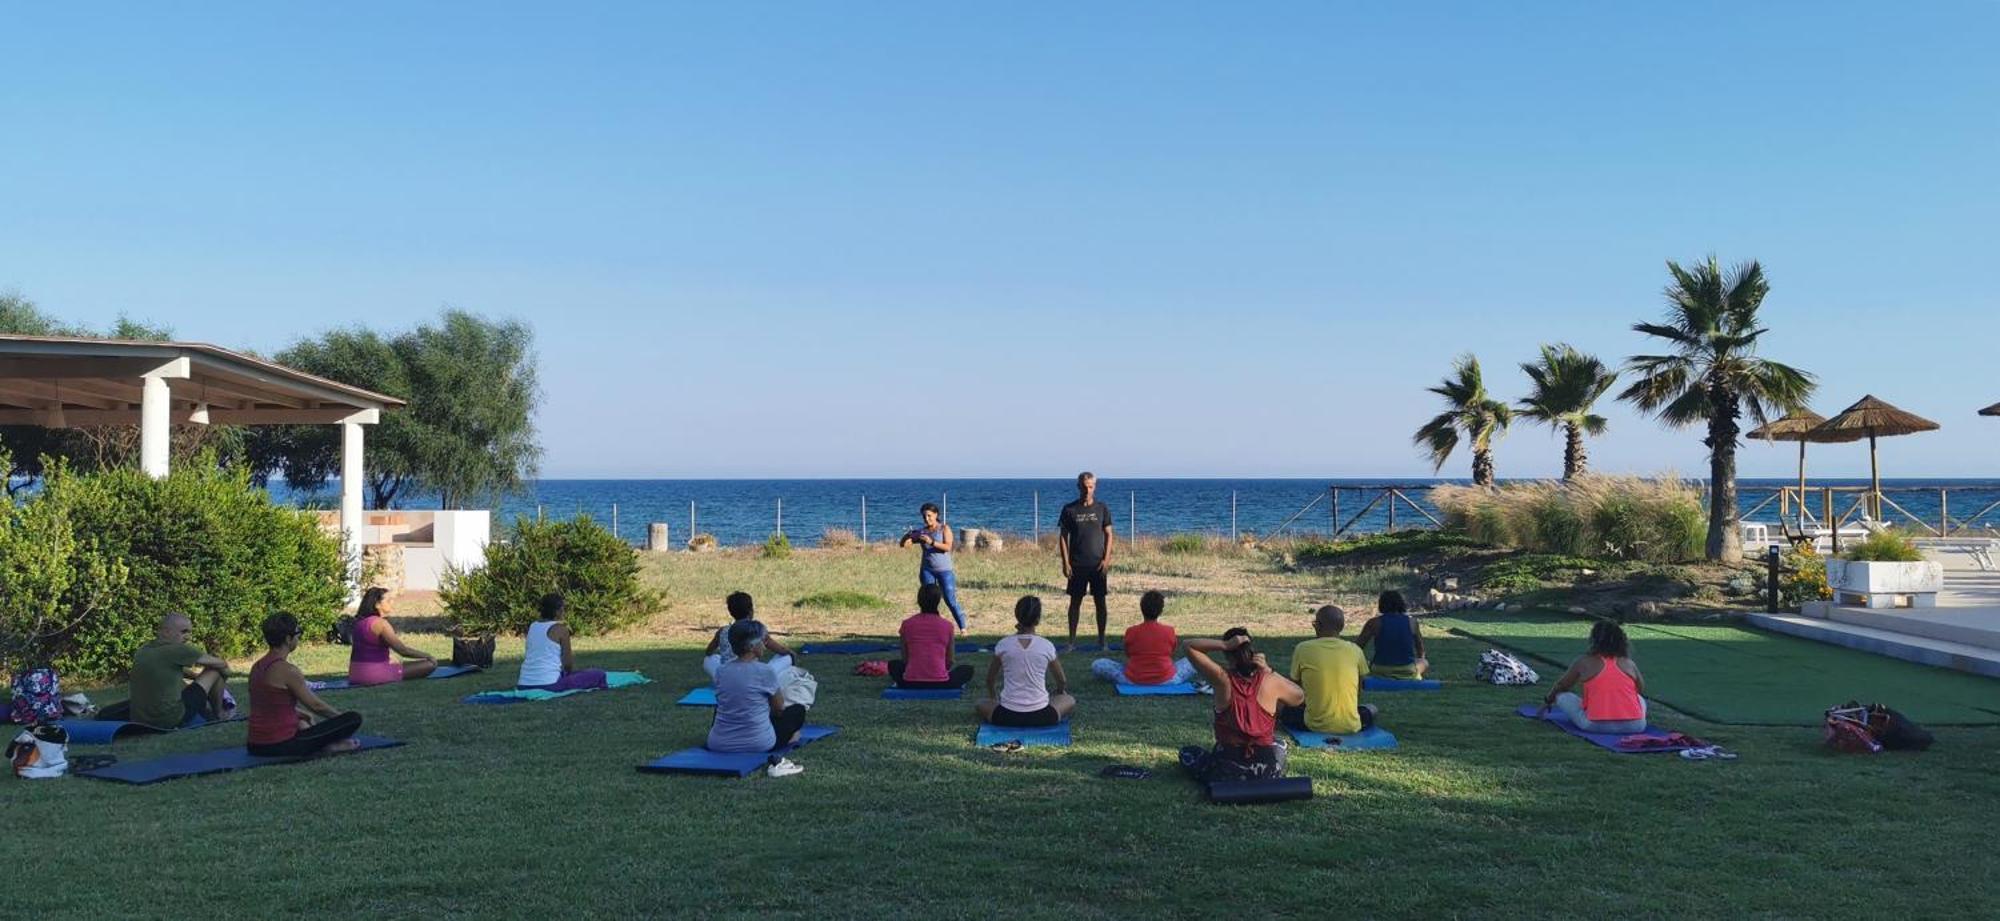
(1993, 410)
(1871, 418)
(1798, 426)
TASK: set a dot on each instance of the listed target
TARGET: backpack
(1497, 667)
(37, 697)
(40, 752)
(873, 668)
(342, 631)
(472, 650)
(1847, 730)
(1896, 731)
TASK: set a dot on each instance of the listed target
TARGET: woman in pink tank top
(375, 639)
(1247, 697)
(1613, 689)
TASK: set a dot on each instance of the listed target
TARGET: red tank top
(273, 718)
(1244, 722)
(1611, 694)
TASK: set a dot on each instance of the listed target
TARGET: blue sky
(960, 240)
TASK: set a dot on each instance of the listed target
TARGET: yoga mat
(729, 764)
(1179, 688)
(703, 696)
(1604, 740)
(846, 649)
(923, 693)
(971, 647)
(612, 681)
(990, 734)
(104, 732)
(1374, 738)
(1246, 792)
(209, 762)
(443, 671)
(1379, 683)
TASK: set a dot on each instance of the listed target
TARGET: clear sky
(948, 239)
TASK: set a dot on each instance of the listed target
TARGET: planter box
(1885, 585)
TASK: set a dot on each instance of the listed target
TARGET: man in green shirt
(1329, 669)
(164, 695)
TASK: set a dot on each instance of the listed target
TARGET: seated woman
(1613, 690)
(742, 607)
(281, 725)
(1025, 660)
(1399, 646)
(1149, 650)
(548, 664)
(750, 710)
(374, 638)
(1247, 697)
(928, 661)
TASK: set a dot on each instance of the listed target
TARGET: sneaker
(783, 767)
(1011, 745)
(1203, 687)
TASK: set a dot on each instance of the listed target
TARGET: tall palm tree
(1471, 410)
(1567, 384)
(1713, 375)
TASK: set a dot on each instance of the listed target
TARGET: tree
(1713, 375)
(467, 432)
(1567, 383)
(1470, 410)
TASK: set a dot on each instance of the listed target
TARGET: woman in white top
(548, 664)
(1025, 660)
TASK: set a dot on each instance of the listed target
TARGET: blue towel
(703, 696)
(1372, 738)
(443, 671)
(923, 693)
(104, 732)
(209, 762)
(1179, 688)
(612, 680)
(990, 734)
(1379, 683)
(729, 764)
(1605, 740)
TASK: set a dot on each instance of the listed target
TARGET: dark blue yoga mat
(1175, 689)
(104, 732)
(847, 649)
(1374, 738)
(703, 696)
(1604, 740)
(990, 734)
(923, 693)
(1379, 683)
(209, 762)
(443, 671)
(729, 764)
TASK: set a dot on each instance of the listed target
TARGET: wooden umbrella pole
(1875, 476)
(1802, 485)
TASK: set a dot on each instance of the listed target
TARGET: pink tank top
(1612, 694)
(368, 648)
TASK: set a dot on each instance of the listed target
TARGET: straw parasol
(1871, 418)
(1993, 410)
(1797, 426)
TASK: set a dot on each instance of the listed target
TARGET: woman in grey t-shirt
(935, 537)
(750, 710)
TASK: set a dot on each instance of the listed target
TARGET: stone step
(1920, 649)
(1972, 628)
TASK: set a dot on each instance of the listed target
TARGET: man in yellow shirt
(1330, 670)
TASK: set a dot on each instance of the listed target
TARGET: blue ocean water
(747, 511)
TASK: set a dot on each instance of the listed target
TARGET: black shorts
(195, 702)
(1046, 716)
(1092, 582)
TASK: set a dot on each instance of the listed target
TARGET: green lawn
(536, 811)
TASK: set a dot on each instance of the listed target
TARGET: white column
(154, 403)
(351, 475)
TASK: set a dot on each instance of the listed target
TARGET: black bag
(342, 631)
(1896, 731)
(472, 650)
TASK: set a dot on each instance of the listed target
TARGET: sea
(739, 512)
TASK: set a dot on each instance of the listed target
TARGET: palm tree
(1713, 375)
(1471, 410)
(1567, 383)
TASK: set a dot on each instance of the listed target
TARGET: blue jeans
(1570, 705)
(948, 582)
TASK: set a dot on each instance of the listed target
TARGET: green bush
(103, 556)
(597, 573)
(1383, 545)
(1183, 543)
(1884, 547)
(776, 547)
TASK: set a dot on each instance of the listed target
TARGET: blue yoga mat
(1374, 738)
(969, 646)
(729, 764)
(1179, 688)
(104, 732)
(1379, 683)
(209, 762)
(923, 693)
(703, 696)
(990, 734)
(612, 681)
(846, 649)
(443, 671)
(1604, 740)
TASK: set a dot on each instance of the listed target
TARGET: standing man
(1084, 535)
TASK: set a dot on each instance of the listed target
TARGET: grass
(843, 600)
(535, 811)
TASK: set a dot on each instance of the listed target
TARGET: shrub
(843, 600)
(838, 539)
(701, 542)
(1805, 577)
(1184, 543)
(202, 541)
(596, 572)
(1885, 547)
(1659, 520)
(776, 547)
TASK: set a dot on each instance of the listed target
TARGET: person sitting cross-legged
(548, 663)
(1247, 697)
(164, 695)
(1329, 669)
(1613, 698)
(374, 639)
(741, 608)
(929, 661)
(1024, 661)
(1399, 645)
(1149, 650)
(750, 710)
(281, 704)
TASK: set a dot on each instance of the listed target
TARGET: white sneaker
(783, 767)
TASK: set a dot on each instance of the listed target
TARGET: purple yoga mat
(1604, 740)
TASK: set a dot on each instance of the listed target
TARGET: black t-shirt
(1085, 527)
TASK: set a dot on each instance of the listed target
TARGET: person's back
(1329, 668)
(158, 683)
(1024, 663)
(743, 690)
(273, 716)
(928, 639)
(1149, 652)
(1395, 640)
(1612, 695)
(369, 661)
(541, 661)
(1244, 723)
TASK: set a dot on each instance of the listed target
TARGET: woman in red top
(1613, 698)
(1247, 697)
(279, 697)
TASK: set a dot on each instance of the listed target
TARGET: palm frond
(1439, 437)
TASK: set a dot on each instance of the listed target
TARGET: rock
(990, 540)
(1578, 609)
(1500, 606)
(1449, 585)
(1739, 585)
(702, 543)
(1649, 610)
(968, 538)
